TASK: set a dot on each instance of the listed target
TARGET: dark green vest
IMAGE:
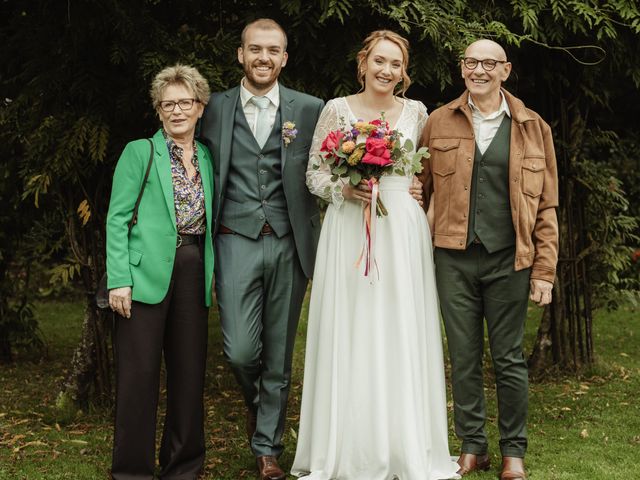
(254, 194)
(490, 209)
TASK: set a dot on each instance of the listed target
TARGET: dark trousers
(260, 287)
(177, 327)
(474, 285)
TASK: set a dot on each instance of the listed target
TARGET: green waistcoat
(489, 209)
(255, 194)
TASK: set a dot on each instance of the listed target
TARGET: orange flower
(348, 146)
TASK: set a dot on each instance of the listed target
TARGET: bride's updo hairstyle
(367, 46)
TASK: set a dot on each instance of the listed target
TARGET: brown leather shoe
(251, 422)
(512, 469)
(470, 462)
(269, 468)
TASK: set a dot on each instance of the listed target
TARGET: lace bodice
(410, 123)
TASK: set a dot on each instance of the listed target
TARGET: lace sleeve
(318, 173)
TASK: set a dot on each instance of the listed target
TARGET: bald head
(485, 48)
(484, 68)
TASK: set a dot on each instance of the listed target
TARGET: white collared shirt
(485, 127)
(250, 110)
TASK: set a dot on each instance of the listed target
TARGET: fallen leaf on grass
(29, 444)
(584, 433)
(12, 440)
(79, 442)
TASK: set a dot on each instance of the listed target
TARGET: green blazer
(144, 259)
(216, 131)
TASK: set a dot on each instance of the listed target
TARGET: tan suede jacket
(533, 185)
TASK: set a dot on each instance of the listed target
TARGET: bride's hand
(360, 193)
(416, 190)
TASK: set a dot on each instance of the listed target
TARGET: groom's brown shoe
(470, 462)
(269, 468)
(512, 469)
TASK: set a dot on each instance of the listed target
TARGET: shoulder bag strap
(134, 218)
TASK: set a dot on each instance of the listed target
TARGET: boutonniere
(289, 132)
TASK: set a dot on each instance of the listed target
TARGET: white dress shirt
(485, 127)
(251, 111)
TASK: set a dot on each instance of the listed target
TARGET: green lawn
(587, 428)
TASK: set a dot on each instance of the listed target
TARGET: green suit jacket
(216, 131)
(144, 259)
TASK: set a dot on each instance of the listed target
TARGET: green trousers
(475, 285)
(260, 287)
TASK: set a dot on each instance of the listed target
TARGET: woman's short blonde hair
(180, 74)
(370, 42)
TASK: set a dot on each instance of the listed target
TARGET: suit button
(262, 187)
(261, 156)
(262, 171)
(261, 217)
(466, 188)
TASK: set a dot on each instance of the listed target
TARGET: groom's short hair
(263, 24)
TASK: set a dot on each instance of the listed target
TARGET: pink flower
(377, 152)
(331, 142)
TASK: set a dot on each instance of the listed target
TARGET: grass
(586, 428)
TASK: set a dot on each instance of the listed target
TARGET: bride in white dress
(373, 401)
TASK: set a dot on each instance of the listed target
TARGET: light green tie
(262, 119)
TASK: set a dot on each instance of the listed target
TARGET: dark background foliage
(75, 76)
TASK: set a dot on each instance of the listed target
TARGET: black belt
(184, 239)
(266, 230)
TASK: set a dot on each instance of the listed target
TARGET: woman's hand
(416, 190)
(120, 301)
(360, 193)
(431, 216)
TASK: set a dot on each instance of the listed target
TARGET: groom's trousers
(260, 287)
(474, 285)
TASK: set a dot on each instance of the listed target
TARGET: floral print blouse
(188, 194)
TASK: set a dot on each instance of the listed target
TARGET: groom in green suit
(266, 229)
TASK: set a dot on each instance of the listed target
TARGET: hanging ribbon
(368, 252)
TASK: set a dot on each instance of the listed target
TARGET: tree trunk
(565, 337)
(91, 363)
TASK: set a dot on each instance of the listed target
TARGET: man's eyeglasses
(488, 64)
(184, 104)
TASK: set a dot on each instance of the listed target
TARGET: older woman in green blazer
(160, 275)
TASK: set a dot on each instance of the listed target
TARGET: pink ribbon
(368, 251)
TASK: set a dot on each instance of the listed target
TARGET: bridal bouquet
(368, 150)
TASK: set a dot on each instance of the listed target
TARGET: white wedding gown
(373, 401)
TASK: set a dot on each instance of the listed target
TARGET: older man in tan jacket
(491, 189)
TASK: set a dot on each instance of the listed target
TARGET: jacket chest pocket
(533, 176)
(444, 152)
